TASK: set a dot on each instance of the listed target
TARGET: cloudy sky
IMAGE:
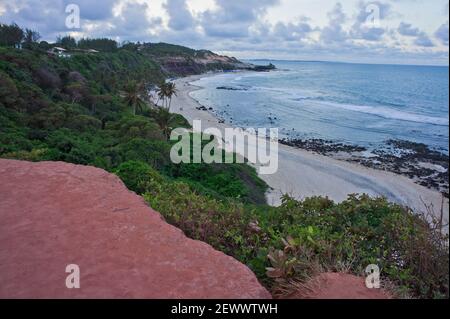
(382, 31)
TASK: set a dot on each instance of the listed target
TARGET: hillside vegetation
(178, 60)
(87, 109)
(73, 110)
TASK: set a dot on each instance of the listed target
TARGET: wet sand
(303, 174)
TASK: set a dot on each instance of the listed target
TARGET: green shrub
(154, 153)
(359, 232)
(223, 225)
(237, 181)
(316, 234)
(138, 127)
(34, 155)
(138, 176)
(84, 123)
(66, 145)
(9, 95)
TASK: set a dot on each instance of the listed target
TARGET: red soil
(55, 214)
(338, 286)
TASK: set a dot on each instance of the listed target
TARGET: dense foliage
(10, 35)
(103, 45)
(302, 238)
(165, 49)
(83, 110)
(89, 109)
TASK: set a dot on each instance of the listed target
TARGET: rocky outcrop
(185, 66)
(56, 214)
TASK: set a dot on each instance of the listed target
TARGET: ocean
(358, 104)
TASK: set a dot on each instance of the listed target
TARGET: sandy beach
(304, 174)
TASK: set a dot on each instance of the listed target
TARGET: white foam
(388, 113)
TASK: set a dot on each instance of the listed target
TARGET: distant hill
(180, 60)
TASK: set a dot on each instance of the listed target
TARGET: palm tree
(165, 120)
(163, 117)
(171, 91)
(133, 94)
(165, 93)
(161, 92)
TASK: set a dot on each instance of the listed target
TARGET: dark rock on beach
(321, 146)
(417, 161)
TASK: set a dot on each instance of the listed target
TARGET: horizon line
(345, 62)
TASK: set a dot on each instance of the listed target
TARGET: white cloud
(294, 29)
(180, 17)
(423, 40)
(408, 30)
(334, 31)
(442, 33)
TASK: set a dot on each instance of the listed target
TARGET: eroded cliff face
(184, 66)
(55, 214)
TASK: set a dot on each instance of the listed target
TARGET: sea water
(359, 104)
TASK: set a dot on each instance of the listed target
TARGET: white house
(60, 52)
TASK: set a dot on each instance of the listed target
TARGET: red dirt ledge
(338, 286)
(54, 214)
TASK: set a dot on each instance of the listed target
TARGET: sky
(362, 31)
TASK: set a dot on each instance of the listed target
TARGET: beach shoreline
(303, 173)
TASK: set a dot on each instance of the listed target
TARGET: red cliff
(56, 214)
